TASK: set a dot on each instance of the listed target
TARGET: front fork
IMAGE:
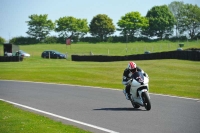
(144, 90)
(140, 100)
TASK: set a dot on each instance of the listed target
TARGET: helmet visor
(133, 70)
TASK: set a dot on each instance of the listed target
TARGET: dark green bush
(23, 40)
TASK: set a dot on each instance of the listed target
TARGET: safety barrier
(10, 58)
(184, 55)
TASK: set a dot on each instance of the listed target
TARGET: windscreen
(138, 76)
(57, 52)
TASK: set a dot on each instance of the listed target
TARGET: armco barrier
(10, 59)
(184, 55)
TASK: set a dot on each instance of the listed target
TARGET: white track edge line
(61, 117)
(176, 97)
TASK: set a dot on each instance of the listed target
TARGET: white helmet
(132, 67)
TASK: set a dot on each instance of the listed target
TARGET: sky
(15, 13)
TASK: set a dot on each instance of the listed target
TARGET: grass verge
(15, 120)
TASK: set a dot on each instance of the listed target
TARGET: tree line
(160, 22)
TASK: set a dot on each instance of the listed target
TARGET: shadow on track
(119, 109)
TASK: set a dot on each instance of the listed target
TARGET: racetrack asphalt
(104, 108)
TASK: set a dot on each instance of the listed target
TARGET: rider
(126, 80)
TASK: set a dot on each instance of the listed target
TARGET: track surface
(106, 108)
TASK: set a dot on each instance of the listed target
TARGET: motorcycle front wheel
(135, 105)
(146, 100)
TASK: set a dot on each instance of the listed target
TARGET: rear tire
(135, 105)
(146, 100)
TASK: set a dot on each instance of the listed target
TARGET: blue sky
(14, 13)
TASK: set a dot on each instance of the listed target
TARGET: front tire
(135, 105)
(146, 100)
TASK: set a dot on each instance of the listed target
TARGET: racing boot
(126, 94)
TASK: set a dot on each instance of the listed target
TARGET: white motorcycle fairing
(139, 91)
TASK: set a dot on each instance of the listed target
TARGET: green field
(169, 76)
(106, 48)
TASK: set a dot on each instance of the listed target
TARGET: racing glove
(129, 81)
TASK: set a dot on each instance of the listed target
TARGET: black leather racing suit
(126, 78)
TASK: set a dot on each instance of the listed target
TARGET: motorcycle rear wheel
(135, 105)
(146, 100)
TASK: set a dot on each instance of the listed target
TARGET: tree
(132, 23)
(2, 40)
(39, 26)
(190, 20)
(161, 22)
(176, 8)
(101, 26)
(70, 26)
(23, 40)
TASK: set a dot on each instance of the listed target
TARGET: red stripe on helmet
(132, 65)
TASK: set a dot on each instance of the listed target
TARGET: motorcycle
(139, 91)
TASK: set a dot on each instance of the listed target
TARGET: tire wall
(183, 55)
(10, 59)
